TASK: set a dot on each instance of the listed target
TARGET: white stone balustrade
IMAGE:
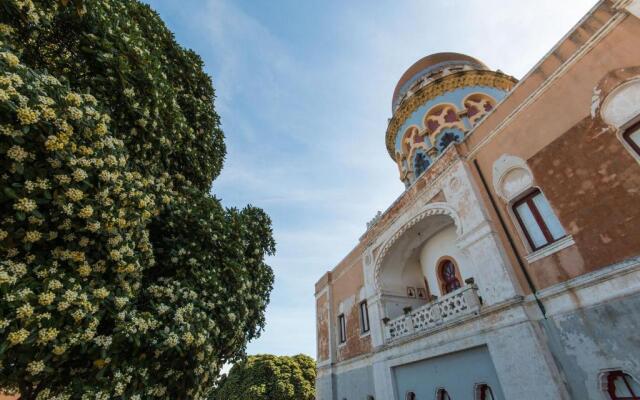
(450, 307)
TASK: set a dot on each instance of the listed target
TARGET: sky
(304, 93)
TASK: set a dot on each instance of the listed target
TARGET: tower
(437, 101)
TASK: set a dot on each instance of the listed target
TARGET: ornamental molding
(439, 87)
(429, 210)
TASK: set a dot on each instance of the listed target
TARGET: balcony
(451, 307)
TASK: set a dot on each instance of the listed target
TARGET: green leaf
(10, 193)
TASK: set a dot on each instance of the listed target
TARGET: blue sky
(304, 91)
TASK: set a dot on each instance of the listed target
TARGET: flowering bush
(267, 377)
(120, 276)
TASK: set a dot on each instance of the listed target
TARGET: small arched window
(449, 277)
(442, 394)
(410, 396)
(483, 392)
(621, 386)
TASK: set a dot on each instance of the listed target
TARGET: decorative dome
(435, 103)
(429, 65)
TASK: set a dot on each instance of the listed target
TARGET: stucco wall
(355, 384)
(592, 182)
(588, 341)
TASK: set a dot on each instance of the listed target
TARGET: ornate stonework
(429, 210)
(439, 87)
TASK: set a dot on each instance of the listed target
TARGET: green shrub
(267, 377)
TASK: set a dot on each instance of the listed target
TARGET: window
(442, 394)
(621, 386)
(539, 223)
(448, 276)
(420, 164)
(483, 392)
(632, 137)
(364, 317)
(410, 396)
(342, 326)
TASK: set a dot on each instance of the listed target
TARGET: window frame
(527, 198)
(365, 326)
(626, 137)
(610, 389)
(342, 329)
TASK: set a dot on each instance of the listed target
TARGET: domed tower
(437, 101)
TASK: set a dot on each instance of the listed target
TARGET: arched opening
(406, 272)
(410, 396)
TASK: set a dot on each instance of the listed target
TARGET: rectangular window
(632, 136)
(538, 221)
(364, 317)
(342, 327)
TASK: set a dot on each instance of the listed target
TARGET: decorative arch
(408, 139)
(477, 105)
(429, 210)
(440, 117)
(617, 86)
(447, 136)
(511, 177)
(420, 161)
(622, 105)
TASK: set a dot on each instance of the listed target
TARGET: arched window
(621, 386)
(449, 277)
(442, 394)
(420, 164)
(447, 137)
(410, 396)
(483, 392)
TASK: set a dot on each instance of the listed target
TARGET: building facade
(509, 268)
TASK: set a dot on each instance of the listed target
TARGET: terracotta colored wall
(348, 279)
(589, 178)
(322, 326)
(593, 184)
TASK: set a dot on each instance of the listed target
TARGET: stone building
(509, 268)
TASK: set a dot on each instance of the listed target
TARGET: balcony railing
(448, 308)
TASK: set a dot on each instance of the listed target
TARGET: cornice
(438, 87)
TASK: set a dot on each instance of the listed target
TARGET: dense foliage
(121, 277)
(267, 377)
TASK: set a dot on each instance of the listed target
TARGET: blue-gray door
(458, 373)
